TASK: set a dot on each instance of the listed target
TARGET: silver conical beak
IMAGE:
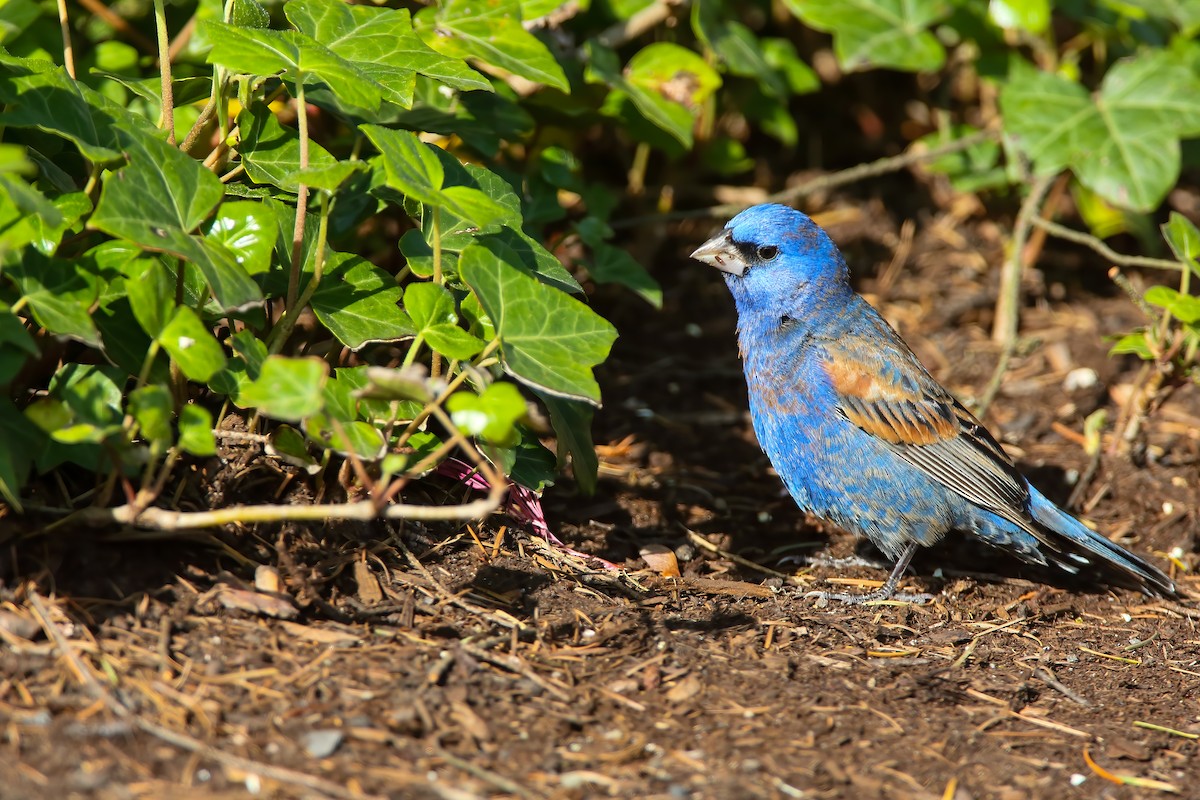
(720, 252)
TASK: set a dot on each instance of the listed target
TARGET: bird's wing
(882, 388)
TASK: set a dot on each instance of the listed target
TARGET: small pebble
(1078, 779)
(322, 743)
(1080, 378)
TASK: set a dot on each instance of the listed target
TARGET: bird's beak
(720, 252)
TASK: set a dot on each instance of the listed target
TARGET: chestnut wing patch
(897, 402)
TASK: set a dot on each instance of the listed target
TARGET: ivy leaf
(192, 345)
(290, 389)
(150, 288)
(667, 83)
(59, 293)
(348, 437)
(271, 153)
(16, 457)
(382, 42)
(1122, 144)
(42, 95)
(431, 308)
(16, 345)
(1026, 15)
(549, 340)
(256, 51)
(196, 431)
(878, 33)
(247, 230)
(572, 421)
(491, 415)
(1184, 307)
(491, 32)
(359, 303)
(151, 407)
(414, 169)
(736, 46)
(157, 201)
(1184, 239)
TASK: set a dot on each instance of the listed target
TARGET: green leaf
(1184, 307)
(614, 265)
(1027, 15)
(735, 45)
(1134, 343)
(431, 308)
(358, 302)
(151, 291)
(265, 52)
(1184, 239)
(289, 388)
(878, 33)
(16, 457)
(519, 249)
(16, 345)
(348, 437)
(59, 293)
(196, 431)
(271, 152)
(492, 415)
(414, 169)
(1043, 111)
(192, 345)
(1124, 143)
(550, 340)
(42, 95)
(382, 42)
(528, 463)
(90, 399)
(667, 83)
(781, 55)
(249, 14)
(247, 230)
(289, 444)
(157, 201)
(151, 407)
(572, 423)
(491, 32)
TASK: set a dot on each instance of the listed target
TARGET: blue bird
(860, 432)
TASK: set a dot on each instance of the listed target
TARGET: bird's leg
(885, 592)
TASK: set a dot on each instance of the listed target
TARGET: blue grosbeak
(861, 433)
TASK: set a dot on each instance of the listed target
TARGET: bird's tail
(1074, 547)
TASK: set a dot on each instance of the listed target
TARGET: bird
(861, 433)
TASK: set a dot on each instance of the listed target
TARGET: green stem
(437, 246)
(167, 119)
(283, 330)
(301, 199)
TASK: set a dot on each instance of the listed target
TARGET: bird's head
(773, 255)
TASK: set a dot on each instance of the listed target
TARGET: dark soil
(499, 667)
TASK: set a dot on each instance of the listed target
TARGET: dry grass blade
(182, 740)
(1128, 780)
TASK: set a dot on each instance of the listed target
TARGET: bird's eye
(767, 252)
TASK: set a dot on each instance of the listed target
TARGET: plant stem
(1079, 237)
(283, 330)
(167, 119)
(1008, 305)
(64, 25)
(301, 199)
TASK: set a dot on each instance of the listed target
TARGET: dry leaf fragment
(661, 559)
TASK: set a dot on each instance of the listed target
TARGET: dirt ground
(474, 661)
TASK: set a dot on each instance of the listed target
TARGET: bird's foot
(880, 596)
